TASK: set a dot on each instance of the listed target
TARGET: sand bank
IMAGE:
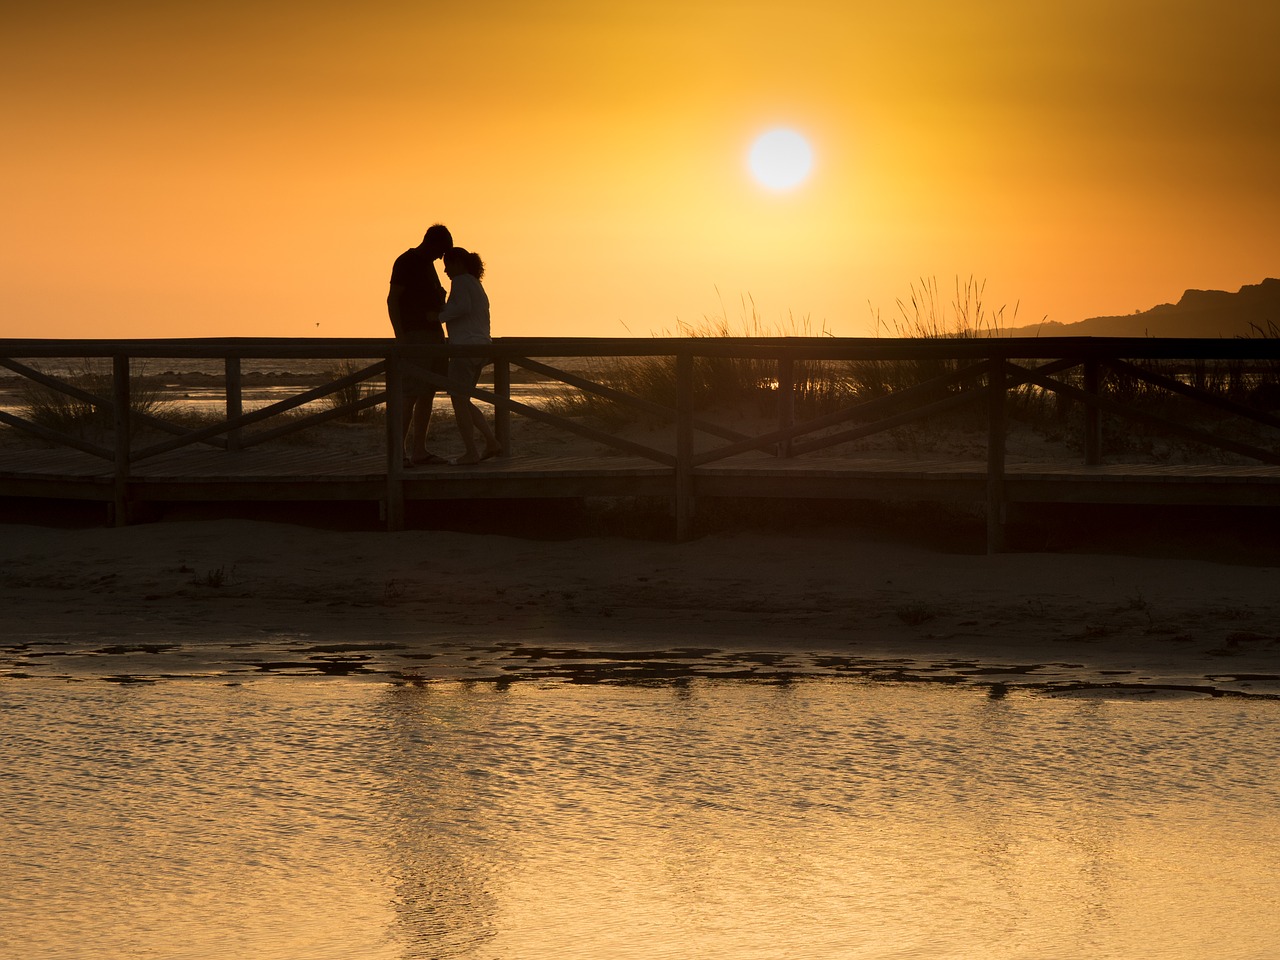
(238, 599)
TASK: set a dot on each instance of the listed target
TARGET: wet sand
(232, 600)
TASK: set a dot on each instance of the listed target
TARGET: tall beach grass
(78, 417)
(819, 385)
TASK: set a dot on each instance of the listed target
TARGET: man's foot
(490, 453)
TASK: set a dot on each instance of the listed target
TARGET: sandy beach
(236, 599)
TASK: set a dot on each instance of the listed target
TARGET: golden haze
(253, 169)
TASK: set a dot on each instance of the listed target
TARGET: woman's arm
(458, 306)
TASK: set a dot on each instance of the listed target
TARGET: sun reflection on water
(333, 819)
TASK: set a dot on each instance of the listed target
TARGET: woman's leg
(466, 427)
(491, 445)
(468, 415)
(469, 420)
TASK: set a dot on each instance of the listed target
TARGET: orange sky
(254, 168)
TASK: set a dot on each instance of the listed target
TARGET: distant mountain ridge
(1200, 313)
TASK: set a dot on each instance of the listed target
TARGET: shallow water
(213, 398)
(294, 818)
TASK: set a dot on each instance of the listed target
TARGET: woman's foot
(423, 458)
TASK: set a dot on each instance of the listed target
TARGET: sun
(780, 159)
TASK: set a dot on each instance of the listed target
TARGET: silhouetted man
(414, 303)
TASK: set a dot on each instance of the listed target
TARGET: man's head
(437, 240)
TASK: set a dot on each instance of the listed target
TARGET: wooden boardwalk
(307, 474)
(237, 457)
(318, 475)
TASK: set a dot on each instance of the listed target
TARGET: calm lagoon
(342, 818)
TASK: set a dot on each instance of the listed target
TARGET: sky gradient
(254, 168)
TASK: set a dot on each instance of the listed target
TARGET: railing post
(394, 509)
(786, 401)
(120, 423)
(502, 413)
(235, 400)
(995, 455)
(1092, 415)
(684, 446)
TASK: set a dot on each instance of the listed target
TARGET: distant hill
(1200, 313)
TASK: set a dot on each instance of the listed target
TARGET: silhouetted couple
(420, 313)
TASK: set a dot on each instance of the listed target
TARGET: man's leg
(415, 440)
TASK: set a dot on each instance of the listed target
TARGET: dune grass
(925, 315)
(718, 381)
(353, 393)
(824, 386)
(77, 417)
(820, 386)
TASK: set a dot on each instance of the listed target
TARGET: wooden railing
(980, 371)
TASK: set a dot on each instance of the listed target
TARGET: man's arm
(394, 297)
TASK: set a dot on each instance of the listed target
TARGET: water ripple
(299, 819)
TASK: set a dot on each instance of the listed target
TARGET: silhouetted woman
(466, 317)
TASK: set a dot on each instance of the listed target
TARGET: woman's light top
(466, 314)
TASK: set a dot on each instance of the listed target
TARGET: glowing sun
(780, 159)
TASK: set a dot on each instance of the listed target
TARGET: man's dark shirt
(422, 295)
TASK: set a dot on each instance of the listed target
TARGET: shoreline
(232, 600)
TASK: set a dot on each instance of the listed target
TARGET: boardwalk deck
(317, 475)
(1024, 482)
